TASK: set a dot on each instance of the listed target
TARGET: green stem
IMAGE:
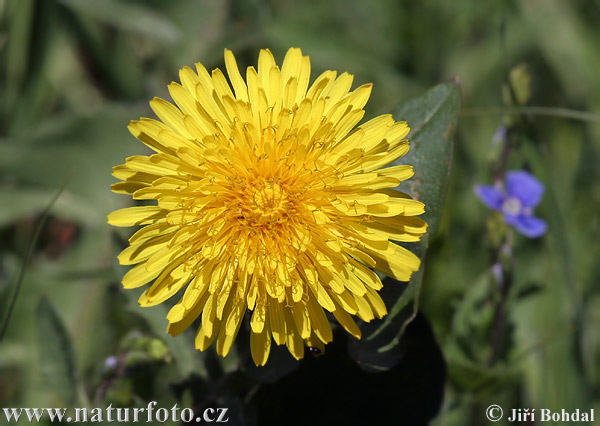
(533, 111)
(28, 256)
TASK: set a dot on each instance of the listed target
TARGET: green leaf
(90, 146)
(19, 203)
(432, 118)
(57, 358)
(128, 16)
(26, 94)
(15, 55)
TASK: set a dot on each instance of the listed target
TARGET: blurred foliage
(74, 72)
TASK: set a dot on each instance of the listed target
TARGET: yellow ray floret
(269, 199)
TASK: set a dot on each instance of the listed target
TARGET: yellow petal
(376, 303)
(209, 317)
(401, 172)
(152, 231)
(170, 115)
(260, 346)
(205, 337)
(165, 286)
(361, 95)
(132, 216)
(399, 228)
(347, 322)
(189, 79)
(292, 64)
(138, 276)
(293, 340)
(266, 61)
(303, 79)
(123, 172)
(277, 321)
(301, 319)
(397, 266)
(257, 323)
(318, 86)
(346, 301)
(319, 322)
(365, 312)
(339, 88)
(231, 327)
(366, 275)
(409, 206)
(164, 257)
(241, 91)
(220, 84)
(128, 187)
(180, 318)
(143, 251)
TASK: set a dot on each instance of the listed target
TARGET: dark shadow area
(333, 390)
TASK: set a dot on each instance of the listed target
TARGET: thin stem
(28, 256)
(533, 111)
(499, 323)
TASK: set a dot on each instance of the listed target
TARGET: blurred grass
(74, 72)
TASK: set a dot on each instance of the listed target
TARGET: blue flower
(516, 202)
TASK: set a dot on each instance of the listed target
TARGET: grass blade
(28, 256)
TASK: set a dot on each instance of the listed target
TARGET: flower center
(512, 206)
(269, 198)
(266, 203)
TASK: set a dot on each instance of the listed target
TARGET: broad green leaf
(57, 358)
(432, 118)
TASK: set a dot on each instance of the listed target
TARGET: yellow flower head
(269, 200)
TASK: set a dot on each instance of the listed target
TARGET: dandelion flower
(270, 200)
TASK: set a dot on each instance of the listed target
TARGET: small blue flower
(516, 202)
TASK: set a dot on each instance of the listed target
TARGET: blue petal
(490, 196)
(524, 186)
(530, 226)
